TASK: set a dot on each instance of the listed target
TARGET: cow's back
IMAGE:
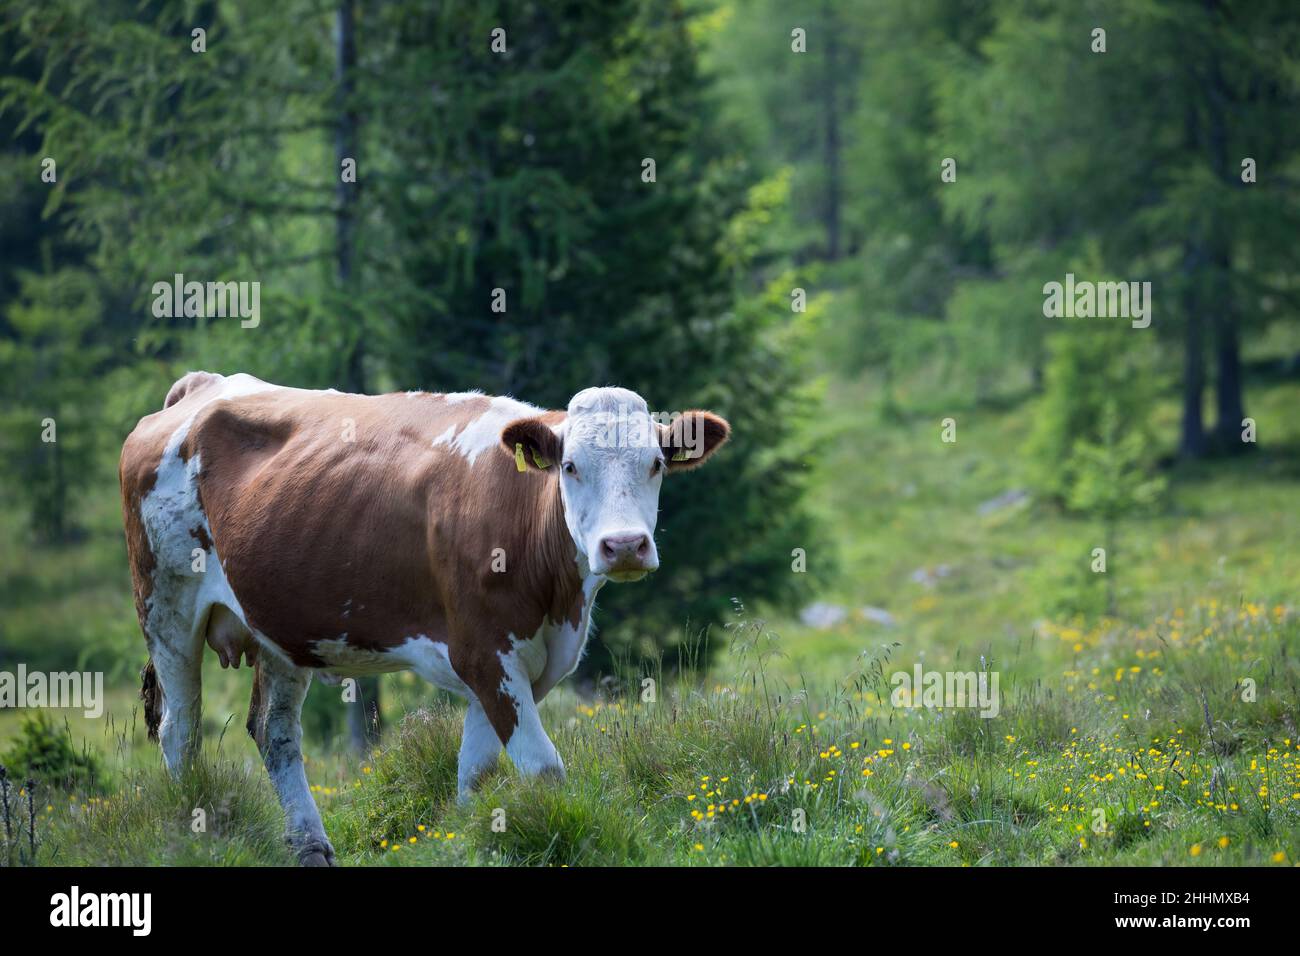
(349, 519)
(354, 519)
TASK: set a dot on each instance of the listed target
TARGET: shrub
(45, 753)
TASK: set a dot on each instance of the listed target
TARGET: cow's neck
(560, 582)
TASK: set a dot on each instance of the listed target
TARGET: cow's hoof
(316, 854)
(553, 775)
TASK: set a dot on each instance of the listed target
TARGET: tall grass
(1143, 750)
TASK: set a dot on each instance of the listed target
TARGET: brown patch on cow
(151, 694)
(394, 530)
(575, 613)
(139, 553)
(199, 534)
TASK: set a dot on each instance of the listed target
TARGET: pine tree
(1137, 152)
(514, 160)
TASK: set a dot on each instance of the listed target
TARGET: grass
(1163, 735)
(1142, 750)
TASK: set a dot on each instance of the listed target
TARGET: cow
(457, 535)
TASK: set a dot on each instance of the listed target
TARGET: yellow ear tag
(519, 456)
(540, 461)
(679, 454)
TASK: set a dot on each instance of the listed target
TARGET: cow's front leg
(479, 747)
(277, 728)
(506, 696)
(528, 747)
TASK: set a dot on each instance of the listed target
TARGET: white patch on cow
(241, 384)
(457, 397)
(431, 661)
(484, 432)
(531, 653)
(446, 437)
(566, 641)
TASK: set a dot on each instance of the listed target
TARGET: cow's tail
(188, 383)
(255, 722)
(151, 694)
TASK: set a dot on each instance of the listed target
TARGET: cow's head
(610, 458)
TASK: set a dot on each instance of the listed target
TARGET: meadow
(836, 224)
(1161, 734)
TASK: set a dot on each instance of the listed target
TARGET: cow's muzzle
(626, 556)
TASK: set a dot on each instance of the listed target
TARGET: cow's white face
(610, 459)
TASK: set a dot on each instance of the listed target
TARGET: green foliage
(45, 752)
(607, 278)
(910, 260)
(407, 783)
(542, 825)
(1111, 474)
(48, 437)
(1092, 446)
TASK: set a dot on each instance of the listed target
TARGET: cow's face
(610, 459)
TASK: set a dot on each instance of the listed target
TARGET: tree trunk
(1192, 442)
(364, 721)
(59, 527)
(1112, 606)
(1229, 402)
(345, 147)
(831, 154)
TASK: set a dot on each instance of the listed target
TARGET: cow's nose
(619, 549)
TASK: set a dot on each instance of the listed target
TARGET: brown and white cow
(460, 536)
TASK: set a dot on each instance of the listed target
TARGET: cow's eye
(657, 467)
(569, 469)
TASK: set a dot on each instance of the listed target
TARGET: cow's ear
(531, 443)
(692, 438)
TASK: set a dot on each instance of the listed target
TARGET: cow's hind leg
(277, 728)
(178, 667)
